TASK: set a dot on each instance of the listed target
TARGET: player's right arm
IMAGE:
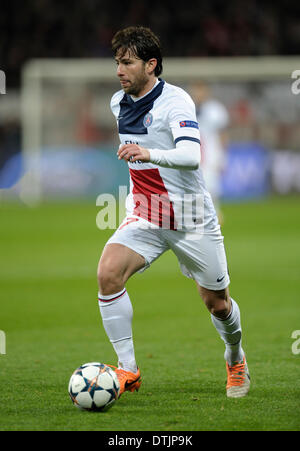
(183, 156)
(133, 152)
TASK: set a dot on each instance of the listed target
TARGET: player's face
(132, 73)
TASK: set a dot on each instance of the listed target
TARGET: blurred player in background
(213, 120)
(160, 142)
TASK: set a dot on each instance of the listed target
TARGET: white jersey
(162, 118)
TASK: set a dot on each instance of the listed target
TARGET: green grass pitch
(49, 313)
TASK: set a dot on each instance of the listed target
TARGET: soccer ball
(94, 386)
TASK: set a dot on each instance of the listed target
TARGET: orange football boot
(128, 381)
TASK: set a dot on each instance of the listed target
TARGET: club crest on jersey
(148, 119)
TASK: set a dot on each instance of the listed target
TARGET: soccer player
(168, 207)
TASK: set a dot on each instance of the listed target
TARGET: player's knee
(219, 307)
(110, 280)
(217, 302)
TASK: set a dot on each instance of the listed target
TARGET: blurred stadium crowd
(47, 28)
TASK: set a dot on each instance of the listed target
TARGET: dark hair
(142, 42)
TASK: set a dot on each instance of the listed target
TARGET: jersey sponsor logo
(219, 279)
(191, 124)
(148, 119)
(128, 141)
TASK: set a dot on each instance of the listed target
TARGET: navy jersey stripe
(132, 114)
(187, 138)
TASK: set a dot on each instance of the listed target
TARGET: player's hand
(133, 152)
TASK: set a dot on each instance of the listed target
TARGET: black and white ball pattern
(94, 386)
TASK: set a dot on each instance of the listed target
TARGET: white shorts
(201, 258)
